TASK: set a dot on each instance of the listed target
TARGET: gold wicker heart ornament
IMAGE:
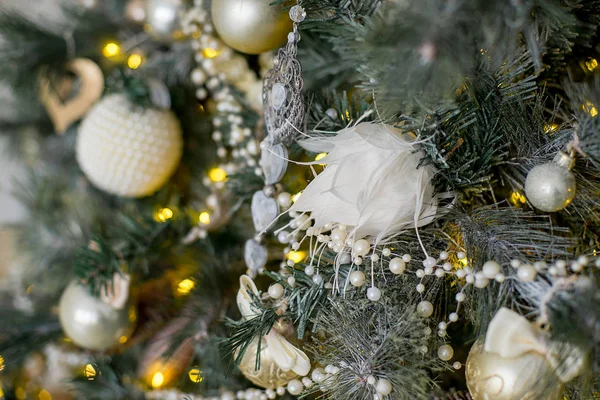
(63, 114)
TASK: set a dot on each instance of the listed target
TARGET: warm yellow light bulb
(89, 372)
(210, 53)
(550, 128)
(111, 49)
(591, 64)
(217, 174)
(1, 363)
(132, 314)
(20, 393)
(134, 61)
(157, 380)
(123, 339)
(296, 197)
(196, 375)
(296, 256)
(204, 218)
(590, 108)
(163, 214)
(186, 286)
(320, 156)
(45, 395)
(517, 198)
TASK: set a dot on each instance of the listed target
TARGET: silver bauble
(251, 26)
(163, 19)
(550, 187)
(89, 322)
(492, 377)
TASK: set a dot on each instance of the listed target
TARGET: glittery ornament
(127, 150)
(550, 187)
(251, 26)
(90, 322)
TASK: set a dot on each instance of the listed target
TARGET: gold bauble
(269, 375)
(251, 26)
(492, 377)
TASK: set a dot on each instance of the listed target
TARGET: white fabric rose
(372, 183)
(286, 356)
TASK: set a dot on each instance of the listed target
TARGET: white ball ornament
(490, 269)
(318, 375)
(295, 387)
(551, 187)
(126, 150)
(357, 278)
(284, 199)
(373, 293)
(90, 322)
(361, 247)
(383, 387)
(445, 352)
(397, 266)
(275, 291)
(526, 273)
(425, 309)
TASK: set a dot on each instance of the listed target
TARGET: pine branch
(381, 339)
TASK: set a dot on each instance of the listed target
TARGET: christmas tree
(246, 199)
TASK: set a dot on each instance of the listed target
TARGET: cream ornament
(126, 150)
(280, 360)
(90, 322)
(373, 183)
(251, 26)
(515, 362)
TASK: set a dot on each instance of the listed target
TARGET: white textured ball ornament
(550, 187)
(251, 26)
(90, 322)
(126, 150)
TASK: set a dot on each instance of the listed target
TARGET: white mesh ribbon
(286, 356)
